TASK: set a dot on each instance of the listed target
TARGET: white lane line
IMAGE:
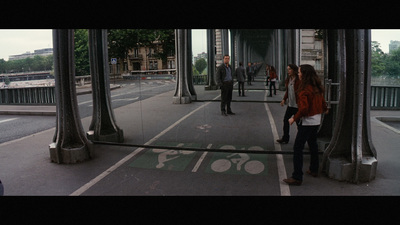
(128, 157)
(285, 191)
(7, 120)
(196, 167)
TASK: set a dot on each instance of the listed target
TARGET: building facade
(41, 52)
(144, 58)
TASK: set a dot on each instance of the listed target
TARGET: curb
(28, 113)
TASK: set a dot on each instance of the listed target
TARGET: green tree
(200, 65)
(82, 65)
(392, 62)
(377, 59)
(166, 38)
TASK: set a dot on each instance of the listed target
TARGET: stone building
(143, 58)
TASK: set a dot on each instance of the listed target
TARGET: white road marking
(285, 191)
(196, 167)
(7, 120)
(128, 157)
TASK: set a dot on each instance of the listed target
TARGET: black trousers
(272, 84)
(290, 111)
(305, 134)
(241, 87)
(249, 78)
(226, 96)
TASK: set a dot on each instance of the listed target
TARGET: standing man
(254, 71)
(249, 71)
(225, 82)
(241, 77)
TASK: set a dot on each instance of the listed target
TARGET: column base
(342, 170)
(114, 137)
(70, 155)
(182, 100)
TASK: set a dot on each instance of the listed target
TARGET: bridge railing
(382, 97)
(385, 97)
(199, 79)
(28, 95)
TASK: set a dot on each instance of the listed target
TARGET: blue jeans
(305, 134)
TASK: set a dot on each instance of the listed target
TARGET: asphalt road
(17, 126)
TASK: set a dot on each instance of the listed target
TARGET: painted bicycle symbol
(165, 155)
(240, 159)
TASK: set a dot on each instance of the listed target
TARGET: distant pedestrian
(225, 82)
(272, 80)
(291, 84)
(249, 71)
(311, 105)
(267, 69)
(254, 71)
(241, 77)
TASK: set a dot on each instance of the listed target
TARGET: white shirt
(311, 120)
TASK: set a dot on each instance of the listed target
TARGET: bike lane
(183, 172)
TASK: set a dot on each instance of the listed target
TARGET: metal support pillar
(233, 51)
(182, 94)
(351, 155)
(70, 144)
(334, 65)
(189, 63)
(212, 85)
(103, 126)
(224, 43)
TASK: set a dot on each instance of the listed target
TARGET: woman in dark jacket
(291, 84)
(311, 105)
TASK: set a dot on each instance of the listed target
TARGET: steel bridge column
(188, 69)
(224, 43)
(351, 155)
(233, 50)
(103, 126)
(212, 85)
(70, 144)
(334, 65)
(182, 94)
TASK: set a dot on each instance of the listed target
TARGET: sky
(14, 42)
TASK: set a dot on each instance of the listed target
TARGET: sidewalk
(25, 167)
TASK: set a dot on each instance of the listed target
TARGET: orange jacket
(310, 104)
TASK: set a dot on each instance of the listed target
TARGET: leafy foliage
(200, 65)
(382, 63)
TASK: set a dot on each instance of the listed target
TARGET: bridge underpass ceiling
(259, 39)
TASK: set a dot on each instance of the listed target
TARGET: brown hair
(310, 77)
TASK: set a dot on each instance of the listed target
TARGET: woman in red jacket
(272, 79)
(311, 105)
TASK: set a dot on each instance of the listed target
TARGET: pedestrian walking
(241, 77)
(290, 98)
(311, 105)
(267, 69)
(249, 71)
(272, 80)
(225, 82)
(254, 72)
